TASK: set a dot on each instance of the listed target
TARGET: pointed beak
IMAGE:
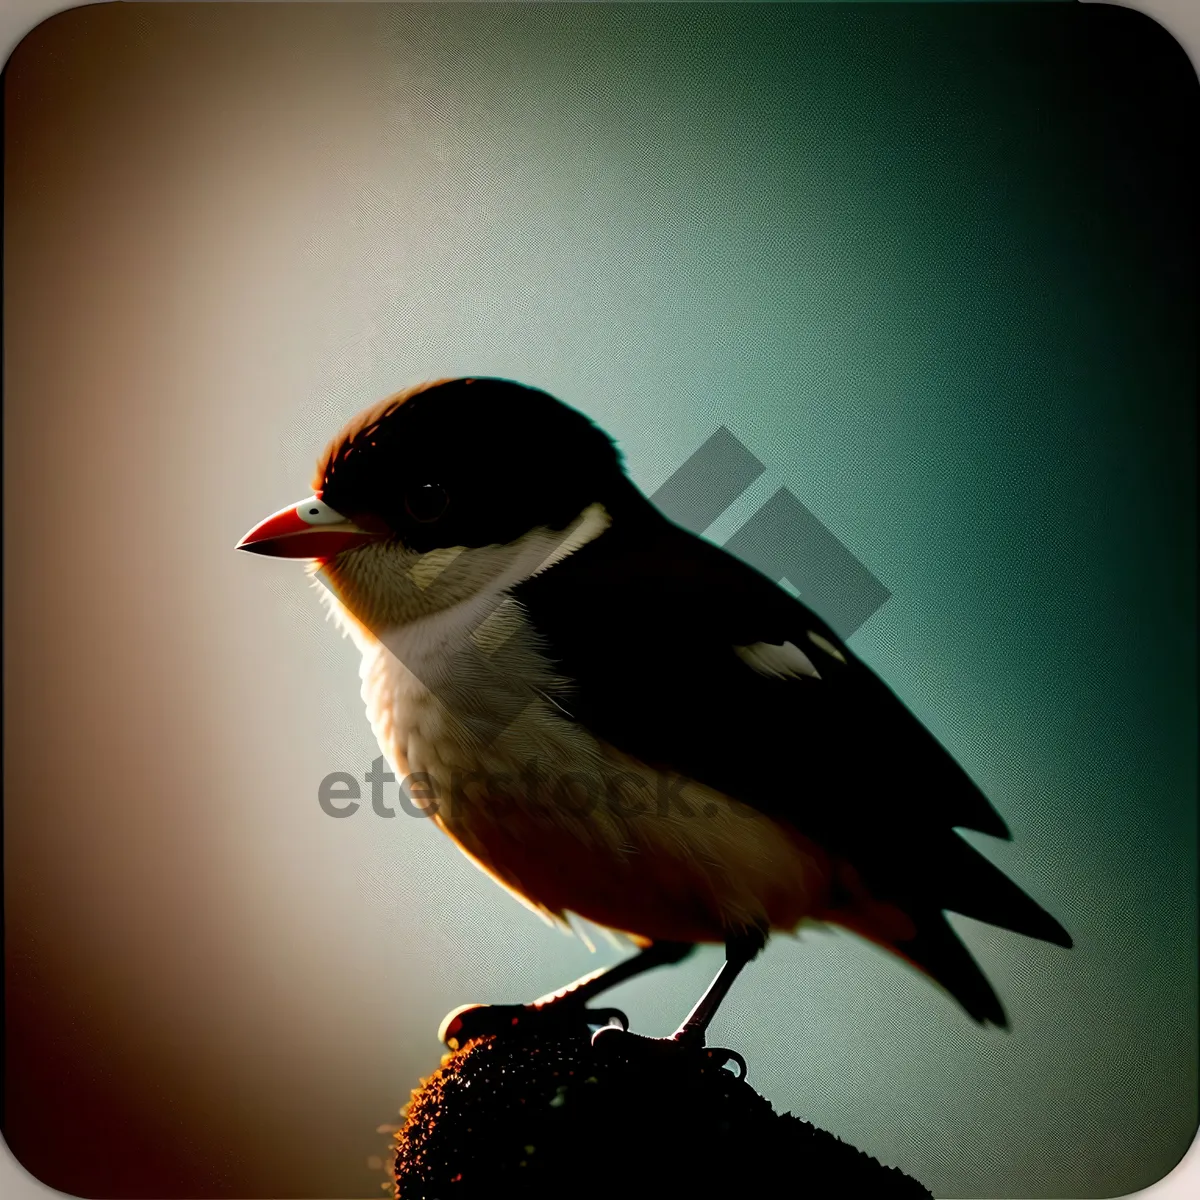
(310, 529)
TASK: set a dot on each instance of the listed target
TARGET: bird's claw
(471, 1021)
(720, 1057)
(626, 1044)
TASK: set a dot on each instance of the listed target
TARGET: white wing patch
(783, 662)
(826, 645)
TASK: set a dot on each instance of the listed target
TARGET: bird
(620, 721)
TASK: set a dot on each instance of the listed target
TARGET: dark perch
(539, 1112)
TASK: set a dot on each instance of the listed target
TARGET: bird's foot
(686, 1044)
(472, 1021)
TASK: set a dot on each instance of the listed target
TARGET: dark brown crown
(507, 457)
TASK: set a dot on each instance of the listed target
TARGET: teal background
(894, 252)
(934, 266)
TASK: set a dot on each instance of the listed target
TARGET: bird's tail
(939, 953)
(966, 882)
(957, 878)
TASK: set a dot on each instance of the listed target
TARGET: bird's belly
(569, 824)
(694, 878)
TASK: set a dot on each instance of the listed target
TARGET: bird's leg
(693, 1029)
(740, 949)
(568, 1003)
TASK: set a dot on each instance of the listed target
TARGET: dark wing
(647, 623)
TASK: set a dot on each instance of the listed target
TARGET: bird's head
(472, 482)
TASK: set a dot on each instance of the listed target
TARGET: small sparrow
(615, 718)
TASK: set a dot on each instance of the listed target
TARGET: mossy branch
(541, 1112)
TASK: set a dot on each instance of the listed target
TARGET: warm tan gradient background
(207, 993)
(226, 230)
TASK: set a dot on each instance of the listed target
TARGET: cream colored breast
(446, 696)
(596, 832)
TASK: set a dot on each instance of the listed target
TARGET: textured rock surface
(540, 1113)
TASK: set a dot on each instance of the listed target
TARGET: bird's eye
(316, 512)
(426, 502)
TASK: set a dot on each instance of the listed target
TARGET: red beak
(310, 529)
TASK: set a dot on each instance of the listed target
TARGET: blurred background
(935, 267)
